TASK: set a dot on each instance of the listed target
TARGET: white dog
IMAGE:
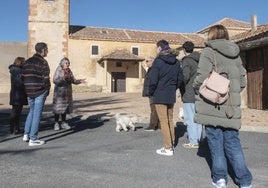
(180, 115)
(124, 122)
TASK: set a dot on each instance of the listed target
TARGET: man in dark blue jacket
(165, 78)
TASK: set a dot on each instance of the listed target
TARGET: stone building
(110, 59)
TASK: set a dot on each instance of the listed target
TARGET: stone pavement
(93, 155)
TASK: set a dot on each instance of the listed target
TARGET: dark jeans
(224, 144)
(57, 117)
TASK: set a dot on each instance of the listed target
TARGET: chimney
(253, 22)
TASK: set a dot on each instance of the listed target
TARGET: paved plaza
(93, 155)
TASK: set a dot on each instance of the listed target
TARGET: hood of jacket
(195, 56)
(13, 69)
(225, 47)
(168, 56)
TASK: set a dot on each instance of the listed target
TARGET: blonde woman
(222, 131)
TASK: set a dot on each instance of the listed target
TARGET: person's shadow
(180, 130)
(77, 123)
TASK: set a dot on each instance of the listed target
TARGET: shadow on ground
(78, 121)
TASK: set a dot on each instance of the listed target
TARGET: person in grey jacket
(189, 68)
(222, 131)
(165, 78)
(63, 97)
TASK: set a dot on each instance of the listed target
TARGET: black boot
(17, 130)
(11, 126)
(17, 126)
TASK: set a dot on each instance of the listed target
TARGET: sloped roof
(229, 24)
(122, 55)
(261, 30)
(113, 34)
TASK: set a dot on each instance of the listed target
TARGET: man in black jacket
(37, 84)
(165, 78)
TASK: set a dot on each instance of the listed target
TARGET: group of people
(30, 84)
(166, 74)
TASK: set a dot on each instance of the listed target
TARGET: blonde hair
(218, 32)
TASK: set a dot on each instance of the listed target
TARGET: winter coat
(227, 61)
(165, 78)
(145, 91)
(63, 97)
(36, 76)
(17, 92)
(189, 69)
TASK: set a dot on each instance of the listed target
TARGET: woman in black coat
(18, 97)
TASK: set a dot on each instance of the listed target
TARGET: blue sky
(185, 16)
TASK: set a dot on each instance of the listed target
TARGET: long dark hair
(19, 61)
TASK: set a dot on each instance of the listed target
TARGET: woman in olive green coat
(222, 129)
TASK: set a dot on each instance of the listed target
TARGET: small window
(94, 50)
(135, 50)
(104, 31)
(118, 64)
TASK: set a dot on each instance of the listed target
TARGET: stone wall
(8, 52)
(48, 22)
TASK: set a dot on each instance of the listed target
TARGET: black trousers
(15, 118)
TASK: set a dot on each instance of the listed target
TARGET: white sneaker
(163, 151)
(36, 142)
(56, 126)
(221, 183)
(65, 125)
(25, 138)
(249, 186)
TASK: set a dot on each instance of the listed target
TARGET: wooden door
(255, 89)
(118, 82)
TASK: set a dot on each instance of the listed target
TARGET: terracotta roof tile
(98, 33)
(261, 30)
(82, 32)
(230, 24)
(116, 34)
(121, 54)
(197, 39)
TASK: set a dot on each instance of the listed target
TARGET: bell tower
(48, 21)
